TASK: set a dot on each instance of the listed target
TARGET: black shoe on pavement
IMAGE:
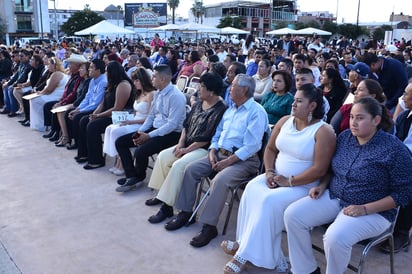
(55, 137)
(50, 134)
(23, 121)
(5, 111)
(153, 201)
(180, 220)
(72, 146)
(26, 124)
(12, 114)
(164, 212)
(208, 233)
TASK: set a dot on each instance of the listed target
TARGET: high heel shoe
(64, 140)
(50, 134)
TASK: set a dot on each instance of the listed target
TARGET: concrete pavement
(56, 217)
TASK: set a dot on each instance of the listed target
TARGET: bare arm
(53, 83)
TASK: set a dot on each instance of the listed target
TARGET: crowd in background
(318, 100)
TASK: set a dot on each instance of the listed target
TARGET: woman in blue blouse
(370, 177)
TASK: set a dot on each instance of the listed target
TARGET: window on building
(24, 6)
(24, 23)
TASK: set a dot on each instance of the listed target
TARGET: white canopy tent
(281, 31)
(194, 27)
(104, 28)
(230, 30)
(312, 31)
(166, 27)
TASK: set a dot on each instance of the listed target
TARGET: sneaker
(131, 183)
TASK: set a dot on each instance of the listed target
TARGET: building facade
(24, 18)
(257, 17)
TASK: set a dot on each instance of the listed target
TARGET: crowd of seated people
(352, 157)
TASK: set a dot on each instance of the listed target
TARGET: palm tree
(198, 10)
(173, 4)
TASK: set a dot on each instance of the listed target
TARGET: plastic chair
(181, 82)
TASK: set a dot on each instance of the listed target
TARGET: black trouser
(74, 124)
(90, 143)
(142, 153)
(48, 115)
(26, 106)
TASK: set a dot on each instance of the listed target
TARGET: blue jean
(10, 102)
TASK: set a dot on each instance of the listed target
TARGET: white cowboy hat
(76, 58)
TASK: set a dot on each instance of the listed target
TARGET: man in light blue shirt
(93, 98)
(160, 130)
(232, 156)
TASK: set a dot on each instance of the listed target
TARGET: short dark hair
(220, 69)
(164, 70)
(369, 58)
(212, 81)
(100, 65)
(314, 95)
(240, 67)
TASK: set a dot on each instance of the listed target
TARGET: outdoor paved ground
(56, 217)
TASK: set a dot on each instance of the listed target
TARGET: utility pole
(41, 19)
(56, 34)
(357, 18)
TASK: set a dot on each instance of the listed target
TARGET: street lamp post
(56, 34)
(41, 20)
(357, 17)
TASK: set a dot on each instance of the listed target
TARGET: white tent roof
(198, 28)
(313, 31)
(230, 30)
(281, 31)
(167, 27)
(104, 28)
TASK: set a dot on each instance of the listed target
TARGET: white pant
(168, 172)
(113, 132)
(342, 234)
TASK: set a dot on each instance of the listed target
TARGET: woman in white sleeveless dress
(53, 91)
(297, 155)
(141, 107)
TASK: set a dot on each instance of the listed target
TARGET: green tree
(230, 21)
(379, 33)
(198, 10)
(330, 26)
(313, 24)
(81, 20)
(352, 31)
(173, 4)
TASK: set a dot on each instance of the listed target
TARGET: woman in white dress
(297, 156)
(141, 107)
(53, 91)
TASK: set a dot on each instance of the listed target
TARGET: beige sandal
(229, 247)
(236, 265)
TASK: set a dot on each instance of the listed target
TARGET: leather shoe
(12, 114)
(50, 134)
(72, 146)
(26, 124)
(23, 121)
(80, 160)
(153, 201)
(55, 137)
(164, 212)
(89, 166)
(5, 111)
(204, 237)
(180, 220)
